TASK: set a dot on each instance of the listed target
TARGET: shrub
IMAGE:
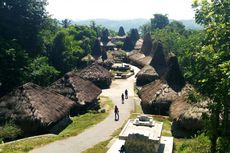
(199, 144)
(10, 131)
(194, 97)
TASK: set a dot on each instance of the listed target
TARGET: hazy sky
(119, 9)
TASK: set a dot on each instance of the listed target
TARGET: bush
(139, 144)
(10, 131)
(199, 144)
(194, 97)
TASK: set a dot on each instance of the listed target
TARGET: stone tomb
(147, 127)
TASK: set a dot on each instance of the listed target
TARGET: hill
(128, 24)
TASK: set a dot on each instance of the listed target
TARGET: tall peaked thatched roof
(80, 90)
(158, 60)
(146, 75)
(30, 104)
(174, 76)
(97, 74)
(147, 44)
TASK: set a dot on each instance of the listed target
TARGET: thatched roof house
(135, 57)
(146, 75)
(82, 91)
(186, 116)
(174, 76)
(33, 108)
(147, 45)
(99, 75)
(156, 97)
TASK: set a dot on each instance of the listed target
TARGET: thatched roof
(135, 56)
(138, 44)
(31, 104)
(99, 75)
(147, 44)
(88, 58)
(189, 116)
(158, 60)
(143, 61)
(174, 76)
(108, 44)
(146, 75)
(80, 90)
(156, 91)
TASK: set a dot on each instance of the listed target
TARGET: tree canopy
(159, 21)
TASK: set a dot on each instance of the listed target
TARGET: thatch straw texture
(99, 75)
(80, 90)
(146, 75)
(158, 60)
(156, 97)
(147, 45)
(33, 107)
(174, 76)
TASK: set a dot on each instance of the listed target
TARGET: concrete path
(104, 129)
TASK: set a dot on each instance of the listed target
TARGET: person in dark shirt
(126, 94)
(116, 111)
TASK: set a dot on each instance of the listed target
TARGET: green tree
(23, 20)
(159, 21)
(13, 61)
(213, 64)
(70, 45)
(66, 23)
(96, 52)
(105, 35)
(121, 31)
(146, 28)
(40, 72)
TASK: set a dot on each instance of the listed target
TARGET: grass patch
(199, 144)
(79, 124)
(114, 72)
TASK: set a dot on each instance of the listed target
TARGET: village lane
(103, 130)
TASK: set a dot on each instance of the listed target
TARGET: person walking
(126, 94)
(116, 111)
(122, 98)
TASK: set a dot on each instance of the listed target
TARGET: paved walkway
(104, 129)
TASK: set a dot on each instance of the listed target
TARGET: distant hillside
(115, 24)
(128, 24)
(191, 24)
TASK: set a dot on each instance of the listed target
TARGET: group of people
(116, 110)
(123, 97)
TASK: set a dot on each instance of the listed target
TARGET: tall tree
(121, 31)
(23, 20)
(96, 52)
(105, 35)
(66, 23)
(159, 21)
(213, 65)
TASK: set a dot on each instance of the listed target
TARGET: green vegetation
(79, 124)
(33, 45)
(9, 132)
(199, 144)
(114, 72)
(204, 58)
